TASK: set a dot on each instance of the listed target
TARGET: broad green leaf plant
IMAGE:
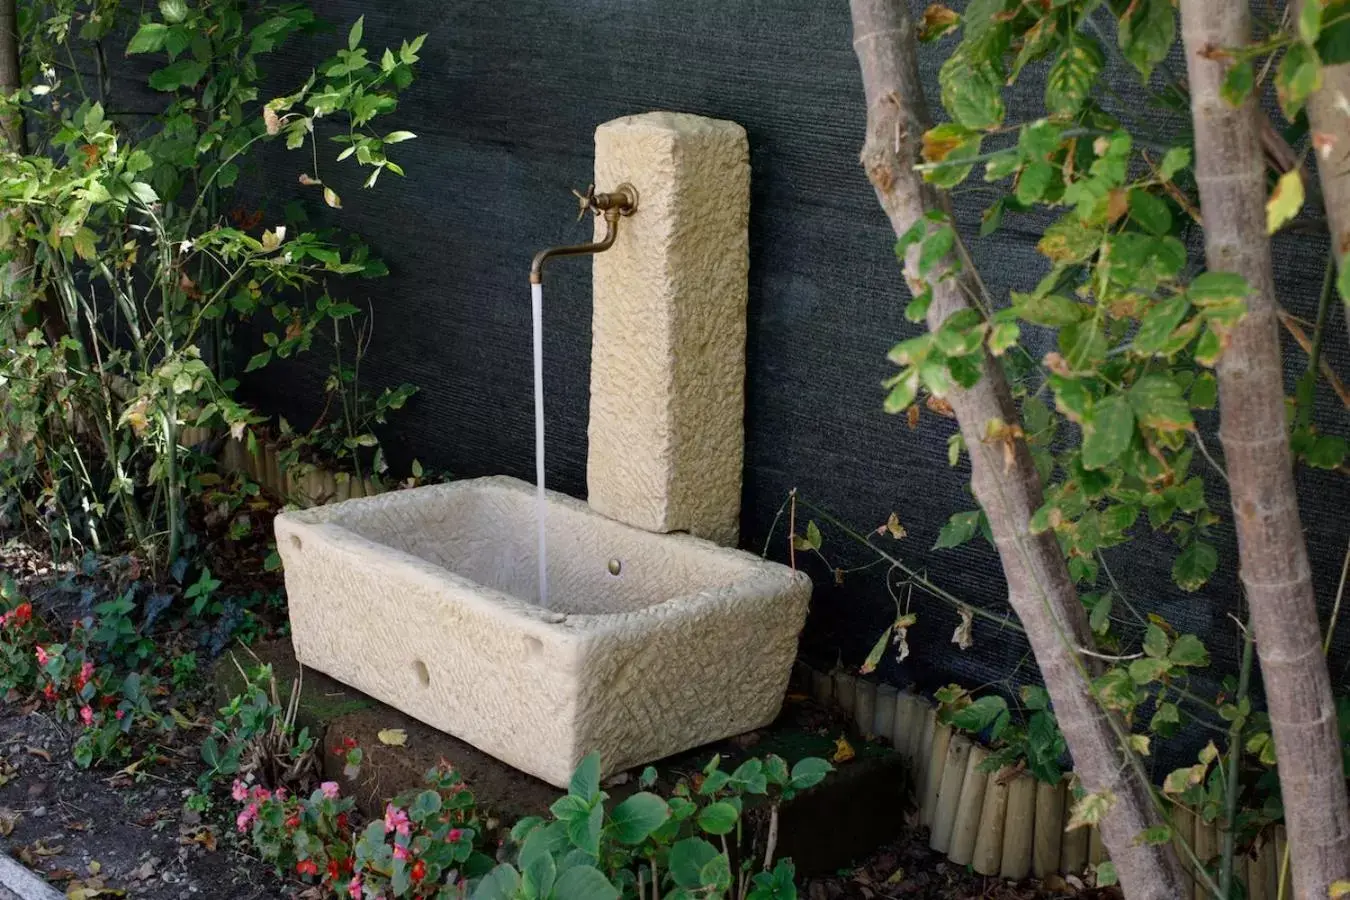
(125, 328)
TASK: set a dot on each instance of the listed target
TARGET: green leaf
(1158, 403)
(687, 859)
(149, 38)
(1299, 75)
(903, 391)
(258, 361)
(812, 540)
(971, 92)
(1146, 33)
(983, 713)
(1285, 201)
(173, 11)
(1070, 79)
(1107, 431)
(1157, 325)
(584, 883)
(1333, 42)
(1194, 565)
(501, 883)
(585, 782)
(1204, 391)
(1099, 619)
(1049, 309)
(1310, 21)
(1156, 641)
(1166, 720)
(1035, 180)
(637, 817)
(1189, 650)
(960, 528)
(718, 818)
(1148, 669)
(1214, 287)
(354, 36)
(538, 872)
(398, 137)
(1106, 874)
(809, 772)
(1326, 452)
(878, 650)
(180, 74)
(86, 243)
(1150, 212)
(1173, 161)
(1238, 83)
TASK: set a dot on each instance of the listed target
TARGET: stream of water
(540, 502)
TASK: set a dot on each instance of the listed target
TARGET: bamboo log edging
(308, 486)
(1019, 828)
(966, 828)
(883, 721)
(864, 705)
(950, 782)
(1005, 824)
(1206, 848)
(1049, 837)
(1183, 828)
(932, 768)
(988, 857)
(845, 692)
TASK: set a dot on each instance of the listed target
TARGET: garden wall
(507, 98)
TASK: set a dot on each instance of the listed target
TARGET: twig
(1291, 325)
(771, 842)
(1336, 607)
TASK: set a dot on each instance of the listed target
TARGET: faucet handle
(585, 201)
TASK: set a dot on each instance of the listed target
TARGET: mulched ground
(103, 834)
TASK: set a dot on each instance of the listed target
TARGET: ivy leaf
(1070, 79)
(1158, 403)
(1107, 430)
(1285, 201)
(959, 528)
(1194, 565)
(1299, 75)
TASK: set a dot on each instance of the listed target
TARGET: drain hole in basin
(295, 541)
(533, 645)
(423, 676)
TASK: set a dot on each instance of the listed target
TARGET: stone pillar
(668, 352)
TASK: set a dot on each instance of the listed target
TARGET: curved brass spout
(543, 256)
(621, 202)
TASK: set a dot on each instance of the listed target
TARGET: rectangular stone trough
(426, 600)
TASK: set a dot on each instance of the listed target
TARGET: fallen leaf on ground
(8, 819)
(393, 737)
(39, 753)
(145, 871)
(35, 851)
(843, 750)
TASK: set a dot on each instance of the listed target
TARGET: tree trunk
(1330, 124)
(1230, 173)
(1039, 587)
(11, 127)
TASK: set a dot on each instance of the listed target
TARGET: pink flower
(395, 819)
(454, 835)
(42, 656)
(86, 715)
(401, 852)
(279, 794)
(261, 794)
(86, 671)
(248, 815)
(330, 789)
(121, 714)
(239, 791)
(354, 889)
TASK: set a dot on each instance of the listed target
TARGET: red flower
(347, 744)
(333, 871)
(293, 821)
(418, 871)
(342, 821)
(23, 613)
(307, 867)
(49, 692)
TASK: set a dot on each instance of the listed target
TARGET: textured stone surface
(424, 600)
(668, 329)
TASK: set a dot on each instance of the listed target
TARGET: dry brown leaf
(39, 753)
(843, 750)
(8, 819)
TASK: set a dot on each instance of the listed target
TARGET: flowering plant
(19, 633)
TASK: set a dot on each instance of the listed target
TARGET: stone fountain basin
(426, 600)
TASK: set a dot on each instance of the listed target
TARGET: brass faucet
(622, 201)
